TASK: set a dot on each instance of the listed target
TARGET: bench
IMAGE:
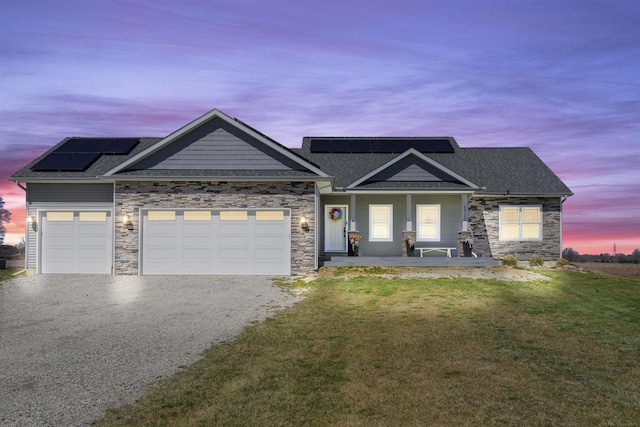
(443, 250)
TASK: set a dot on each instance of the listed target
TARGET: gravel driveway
(72, 346)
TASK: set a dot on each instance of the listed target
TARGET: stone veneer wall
(131, 196)
(484, 216)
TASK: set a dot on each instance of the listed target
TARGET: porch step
(432, 261)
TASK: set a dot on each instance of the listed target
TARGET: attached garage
(216, 242)
(76, 242)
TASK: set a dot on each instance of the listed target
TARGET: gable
(217, 145)
(411, 169)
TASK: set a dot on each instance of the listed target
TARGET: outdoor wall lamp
(126, 220)
(304, 224)
(31, 219)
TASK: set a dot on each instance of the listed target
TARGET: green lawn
(7, 274)
(371, 351)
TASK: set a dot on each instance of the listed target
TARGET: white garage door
(204, 242)
(76, 242)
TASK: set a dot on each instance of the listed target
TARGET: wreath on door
(335, 214)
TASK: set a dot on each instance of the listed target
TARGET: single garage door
(76, 242)
(216, 242)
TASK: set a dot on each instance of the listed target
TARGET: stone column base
(408, 243)
(354, 243)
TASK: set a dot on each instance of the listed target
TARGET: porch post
(352, 214)
(409, 214)
(465, 212)
(409, 235)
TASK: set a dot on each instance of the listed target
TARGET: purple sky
(562, 77)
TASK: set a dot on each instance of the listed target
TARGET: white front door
(335, 228)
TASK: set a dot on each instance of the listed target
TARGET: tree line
(573, 256)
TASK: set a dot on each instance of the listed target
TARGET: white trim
(437, 237)
(520, 238)
(419, 155)
(389, 207)
(215, 113)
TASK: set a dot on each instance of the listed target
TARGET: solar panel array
(78, 154)
(380, 145)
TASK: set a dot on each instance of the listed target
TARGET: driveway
(73, 346)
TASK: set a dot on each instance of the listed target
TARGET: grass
(616, 269)
(371, 351)
(8, 274)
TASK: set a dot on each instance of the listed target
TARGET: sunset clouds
(560, 77)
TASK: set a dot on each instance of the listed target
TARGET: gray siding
(33, 208)
(450, 219)
(411, 170)
(217, 146)
(60, 196)
(83, 193)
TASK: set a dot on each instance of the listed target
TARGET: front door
(335, 228)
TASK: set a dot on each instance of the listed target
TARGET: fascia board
(203, 119)
(209, 178)
(514, 195)
(396, 192)
(419, 155)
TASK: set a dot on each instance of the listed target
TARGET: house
(218, 197)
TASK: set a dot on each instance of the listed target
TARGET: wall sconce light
(31, 219)
(126, 220)
(304, 224)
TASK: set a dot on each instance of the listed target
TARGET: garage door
(76, 242)
(213, 242)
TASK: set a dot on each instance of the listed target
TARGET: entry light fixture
(304, 224)
(31, 219)
(126, 220)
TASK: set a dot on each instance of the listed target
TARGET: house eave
(211, 178)
(519, 195)
(401, 191)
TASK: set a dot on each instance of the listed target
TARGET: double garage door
(189, 242)
(209, 242)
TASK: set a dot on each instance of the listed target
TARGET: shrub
(562, 262)
(536, 261)
(510, 260)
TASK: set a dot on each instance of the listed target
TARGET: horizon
(560, 78)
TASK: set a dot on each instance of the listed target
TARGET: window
(381, 223)
(233, 215)
(428, 223)
(59, 216)
(269, 216)
(93, 216)
(520, 223)
(197, 215)
(161, 215)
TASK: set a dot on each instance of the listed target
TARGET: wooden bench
(443, 250)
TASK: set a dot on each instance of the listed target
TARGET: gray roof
(105, 163)
(497, 170)
(517, 171)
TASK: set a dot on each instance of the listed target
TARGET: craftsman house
(218, 197)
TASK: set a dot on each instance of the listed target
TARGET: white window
(520, 223)
(428, 223)
(381, 223)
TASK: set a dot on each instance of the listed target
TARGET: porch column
(352, 214)
(409, 235)
(409, 226)
(465, 212)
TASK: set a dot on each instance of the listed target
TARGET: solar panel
(120, 146)
(77, 154)
(52, 162)
(340, 146)
(79, 162)
(320, 146)
(381, 146)
(360, 146)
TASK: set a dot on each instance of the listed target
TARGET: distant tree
(635, 256)
(5, 217)
(570, 255)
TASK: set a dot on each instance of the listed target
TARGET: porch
(432, 261)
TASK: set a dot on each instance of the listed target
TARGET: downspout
(26, 231)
